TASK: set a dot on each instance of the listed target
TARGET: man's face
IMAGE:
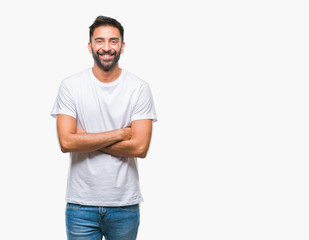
(106, 47)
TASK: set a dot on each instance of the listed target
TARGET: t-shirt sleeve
(64, 103)
(144, 107)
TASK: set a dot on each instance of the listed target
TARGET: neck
(106, 76)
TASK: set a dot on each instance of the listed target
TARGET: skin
(126, 142)
(108, 39)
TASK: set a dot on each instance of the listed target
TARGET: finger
(79, 130)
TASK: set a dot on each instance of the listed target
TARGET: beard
(106, 65)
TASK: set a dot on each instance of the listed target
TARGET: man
(104, 119)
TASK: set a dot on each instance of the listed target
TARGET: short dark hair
(105, 21)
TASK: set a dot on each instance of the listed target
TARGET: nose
(106, 46)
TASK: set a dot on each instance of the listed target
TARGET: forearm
(89, 142)
(74, 139)
(129, 148)
(137, 145)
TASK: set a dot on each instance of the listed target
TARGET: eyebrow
(113, 38)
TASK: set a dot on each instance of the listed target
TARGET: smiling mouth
(106, 56)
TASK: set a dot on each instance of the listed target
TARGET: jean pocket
(73, 206)
(131, 208)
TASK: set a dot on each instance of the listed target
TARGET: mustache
(102, 52)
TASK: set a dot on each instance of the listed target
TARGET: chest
(104, 109)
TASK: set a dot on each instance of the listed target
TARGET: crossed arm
(125, 142)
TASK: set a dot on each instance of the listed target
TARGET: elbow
(142, 152)
(65, 146)
(64, 150)
(143, 155)
(68, 146)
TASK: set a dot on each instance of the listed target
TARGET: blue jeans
(92, 223)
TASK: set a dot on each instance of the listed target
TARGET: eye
(114, 42)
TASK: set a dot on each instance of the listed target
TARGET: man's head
(105, 21)
(106, 42)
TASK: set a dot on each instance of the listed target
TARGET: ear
(89, 48)
(122, 47)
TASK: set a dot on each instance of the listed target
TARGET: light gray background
(229, 156)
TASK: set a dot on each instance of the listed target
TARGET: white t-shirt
(97, 178)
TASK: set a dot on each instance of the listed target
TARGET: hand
(80, 130)
(126, 133)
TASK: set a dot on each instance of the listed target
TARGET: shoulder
(75, 78)
(134, 80)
